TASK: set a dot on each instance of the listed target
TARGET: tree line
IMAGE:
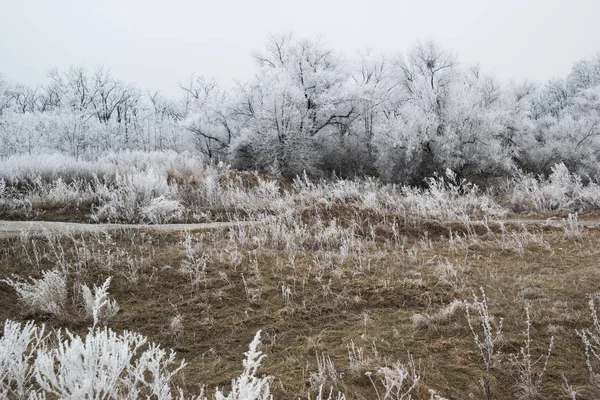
(309, 108)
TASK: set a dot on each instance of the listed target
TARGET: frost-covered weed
(288, 232)
(97, 305)
(161, 210)
(442, 316)
(176, 326)
(530, 377)
(486, 338)
(572, 227)
(399, 381)
(194, 265)
(562, 190)
(591, 340)
(518, 241)
(248, 386)
(45, 295)
(326, 372)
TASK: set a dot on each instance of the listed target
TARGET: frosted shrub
(18, 347)
(448, 198)
(162, 210)
(60, 192)
(146, 184)
(561, 191)
(127, 204)
(118, 204)
(104, 365)
(138, 196)
(45, 295)
(98, 306)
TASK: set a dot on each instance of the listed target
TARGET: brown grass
(370, 300)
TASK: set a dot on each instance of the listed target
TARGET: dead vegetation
(342, 306)
(360, 290)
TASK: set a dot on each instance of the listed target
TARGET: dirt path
(555, 222)
(14, 228)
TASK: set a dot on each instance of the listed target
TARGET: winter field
(359, 289)
(375, 227)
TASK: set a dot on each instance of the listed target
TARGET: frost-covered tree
(298, 96)
(551, 99)
(5, 97)
(352, 151)
(209, 118)
(563, 123)
(311, 109)
(441, 115)
(584, 74)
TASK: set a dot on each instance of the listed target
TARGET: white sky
(156, 44)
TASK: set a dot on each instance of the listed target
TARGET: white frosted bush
(162, 210)
(561, 191)
(104, 365)
(119, 204)
(45, 295)
(146, 184)
(18, 346)
(140, 196)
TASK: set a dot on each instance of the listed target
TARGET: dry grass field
(338, 309)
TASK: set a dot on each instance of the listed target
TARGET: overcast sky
(156, 44)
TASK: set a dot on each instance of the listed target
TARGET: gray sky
(156, 44)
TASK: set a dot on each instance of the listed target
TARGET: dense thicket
(311, 109)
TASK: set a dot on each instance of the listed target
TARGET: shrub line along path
(14, 228)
